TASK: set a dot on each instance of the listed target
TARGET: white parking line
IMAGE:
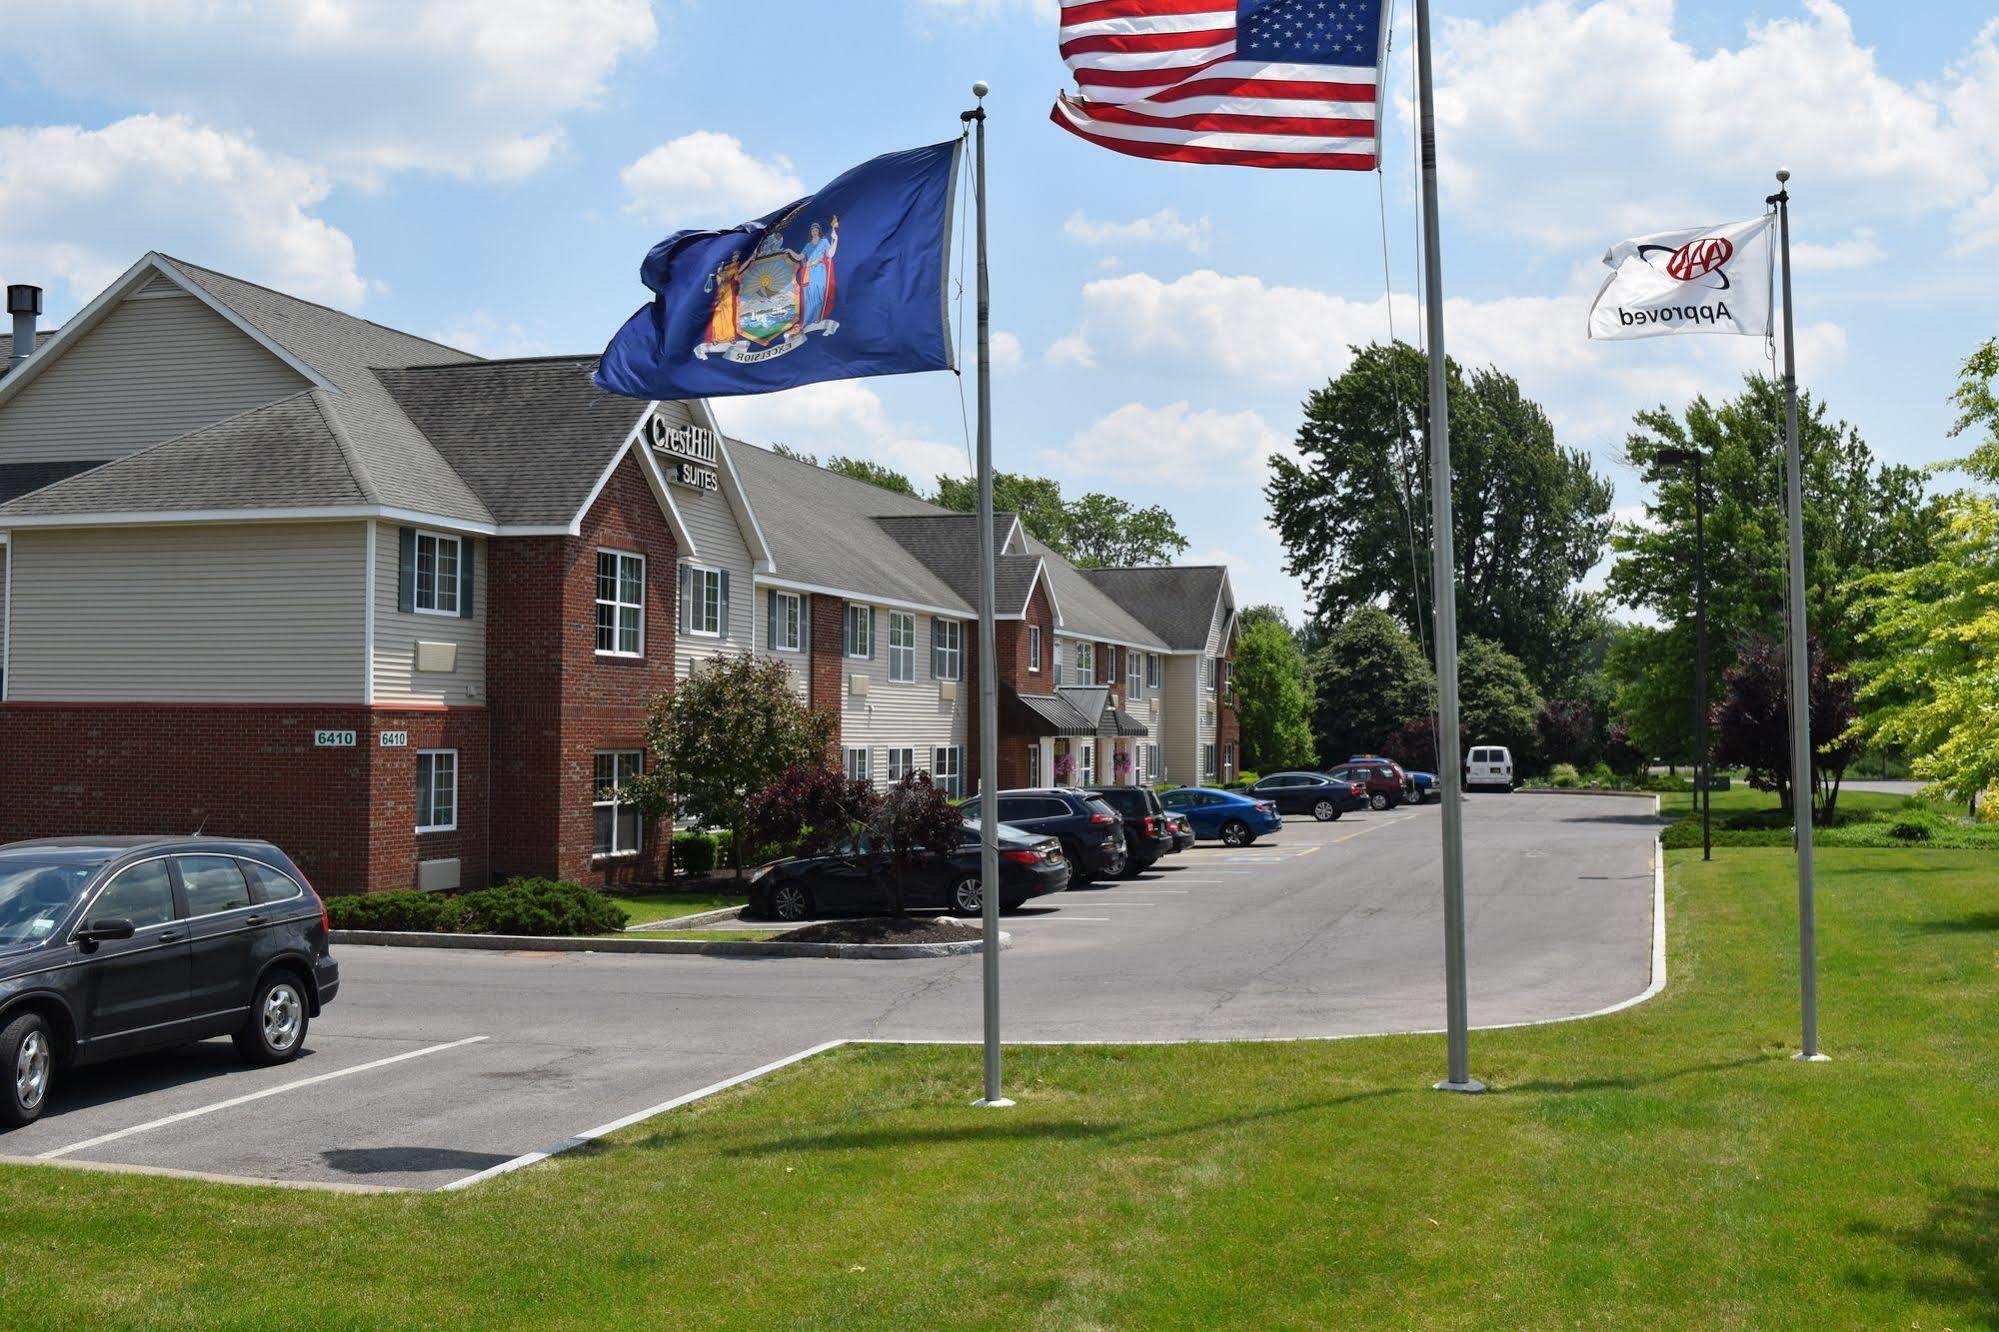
(235, 1101)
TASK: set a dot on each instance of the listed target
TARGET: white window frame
(437, 542)
(793, 604)
(618, 605)
(899, 762)
(1208, 673)
(1061, 673)
(1034, 764)
(1086, 663)
(1134, 663)
(433, 755)
(947, 769)
(597, 802)
(1210, 757)
(904, 653)
(856, 771)
(1086, 763)
(951, 658)
(856, 626)
(1034, 649)
(704, 577)
(1152, 670)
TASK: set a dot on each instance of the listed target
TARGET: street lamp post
(1703, 776)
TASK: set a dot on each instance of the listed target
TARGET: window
(618, 824)
(621, 604)
(1152, 660)
(1208, 674)
(212, 884)
(1060, 662)
(437, 574)
(269, 885)
(143, 895)
(1207, 760)
(1034, 765)
(860, 635)
(947, 644)
(786, 630)
(856, 757)
(945, 770)
(1145, 768)
(706, 592)
(901, 647)
(437, 790)
(1086, 763)
(1134, 663)
(901, 762)
(1034, 648)
(1086, 663)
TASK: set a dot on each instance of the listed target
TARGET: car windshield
(35, 891)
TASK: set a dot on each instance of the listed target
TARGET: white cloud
(1623, 126)
(1006, 350)
(485, 334)
(1174, 444)
(1071, 349)
(707, 177)
(1856, 251)
(473, 88)
(1041, 11)
(1165, 227)
(84, 204)
(841, 416)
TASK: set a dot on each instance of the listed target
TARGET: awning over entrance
(1094, 701)
(1126, 723)
(1050, 714)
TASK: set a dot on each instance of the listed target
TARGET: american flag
(1262, 83)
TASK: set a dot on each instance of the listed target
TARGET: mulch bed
(882, 929)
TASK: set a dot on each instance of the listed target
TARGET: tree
(1752, 723)
(818, 807)
(1366, 682)
(1037, 500)
(1108, 533)
(1531, 516)
(913, 818)
(726, 732)
(874, 473)
(1651, 671)
(1930, 634)
(1272, 705)
(1569, 730)
(1497, 701)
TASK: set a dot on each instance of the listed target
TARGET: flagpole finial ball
(1783, 176)
(981, 88)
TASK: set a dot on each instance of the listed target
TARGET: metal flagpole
(1801, 667)
(988, 653)
(1444, 593)
(1704, 750)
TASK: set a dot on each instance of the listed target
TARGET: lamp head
(981, 88)
(1783, 176)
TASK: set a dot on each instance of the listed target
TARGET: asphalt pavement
(433, 1067)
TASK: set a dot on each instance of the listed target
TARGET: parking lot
(435, 1068)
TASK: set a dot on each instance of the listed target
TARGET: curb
(693, 922)
(1584, 791)
(614, 943)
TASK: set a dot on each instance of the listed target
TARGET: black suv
(114, 945)
(1091, 832)
(1324, 798)
(1147, 834)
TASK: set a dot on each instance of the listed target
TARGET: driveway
(436, 1065)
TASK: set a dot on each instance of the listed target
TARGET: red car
(1387, 784)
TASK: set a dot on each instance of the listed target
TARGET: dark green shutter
(874, 624)
(770, 619)
(468, 555)
(934, 645)
(723, 625)
(686, 599)
(406, 569)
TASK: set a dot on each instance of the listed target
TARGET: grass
(646, 908)
(1668, 1166)
(1745, 817)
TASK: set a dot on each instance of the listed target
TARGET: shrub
(1564, 775)
(694, 852)
(1600, 775)
(725, 847)
(1913, 825)
(428, 912)
(539, 907)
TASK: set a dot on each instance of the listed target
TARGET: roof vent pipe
(24, 303)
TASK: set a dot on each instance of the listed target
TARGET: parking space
(435, 1068)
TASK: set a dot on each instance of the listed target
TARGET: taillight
(1266, 807)
(1103, 818)
(1151, 825)
(1025, 857)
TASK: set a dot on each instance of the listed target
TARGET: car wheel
(1114, 867)
(968, 896)
(1326, 811)
(28, 1053)
(1377, 801)
(790, 901)
(1236, 833)
(274, 1032)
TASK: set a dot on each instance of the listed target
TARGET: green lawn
(644, 908)
(1669, 1166)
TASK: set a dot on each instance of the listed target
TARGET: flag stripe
(1262, 123)
(1208, 20)
(1172, 45)
(1181, 151)
(1090, 11)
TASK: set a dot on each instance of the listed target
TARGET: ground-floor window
(1145, 764)
(857, 763)
(1086, 763)
(618, 822)
(1207, 761)
(946, 770)
(901, 762)
(1034, 765)
(436, 790)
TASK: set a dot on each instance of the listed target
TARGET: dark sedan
(1324, 798)
(111, 946)
(860, 881)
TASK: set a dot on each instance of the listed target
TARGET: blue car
(1426, 785)
(1234, 819)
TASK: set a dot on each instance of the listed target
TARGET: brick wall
(825, 676)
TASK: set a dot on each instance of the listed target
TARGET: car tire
(28, 1054)
(968, 896)
(1377, 801)
(1114, 867)
(274, 1032)
(791, 902)
(1325, 811)
(1236, 833)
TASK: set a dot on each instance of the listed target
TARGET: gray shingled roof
(1177, 603)
(948, 543)
(1086, 609)
(18, 479)
(285, 454)
(529, 436)
(7, 344)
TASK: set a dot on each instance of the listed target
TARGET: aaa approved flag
(1697, 280)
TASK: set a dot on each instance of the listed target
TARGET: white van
(1490, 766)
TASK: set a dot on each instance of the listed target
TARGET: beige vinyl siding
(244, 613)
(154, 368)
(1180, 707)
(915, 715)
(1209, 713)
(397, 632)
(798, 663)
(718, 544)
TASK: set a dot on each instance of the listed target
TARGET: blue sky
(491, 174)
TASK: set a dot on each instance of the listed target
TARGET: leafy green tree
(728, 731)
(1106, 532)
(1037, 499)
(1272, 704)
(1651, 671)
(1367, 680)
(1531, 516)
(1497, 702)
(874, 473)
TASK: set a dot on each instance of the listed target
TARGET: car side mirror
(107, 930)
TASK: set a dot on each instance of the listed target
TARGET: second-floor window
(860, 635)
(1134, 672)
(707, 610)
(786, 630)
(901, 647)
(1086, 663)
(621, 603)
(437, 573)
(1152, 660)
(1208, 674)
(947, 648)
(1034, 648)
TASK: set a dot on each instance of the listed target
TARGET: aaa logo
(1697, 258)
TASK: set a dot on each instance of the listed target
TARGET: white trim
(721, 629)
(1079, 637)
(889, 647)
(866, 598)
(7, 622)
(327, 513)
(427, 828)
(777, 615)
(368, 618)
(457, 579)
(1034, 649)
(846, 616)
(617, 852)
(847, 753)
(597, 600)
(738, 498)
